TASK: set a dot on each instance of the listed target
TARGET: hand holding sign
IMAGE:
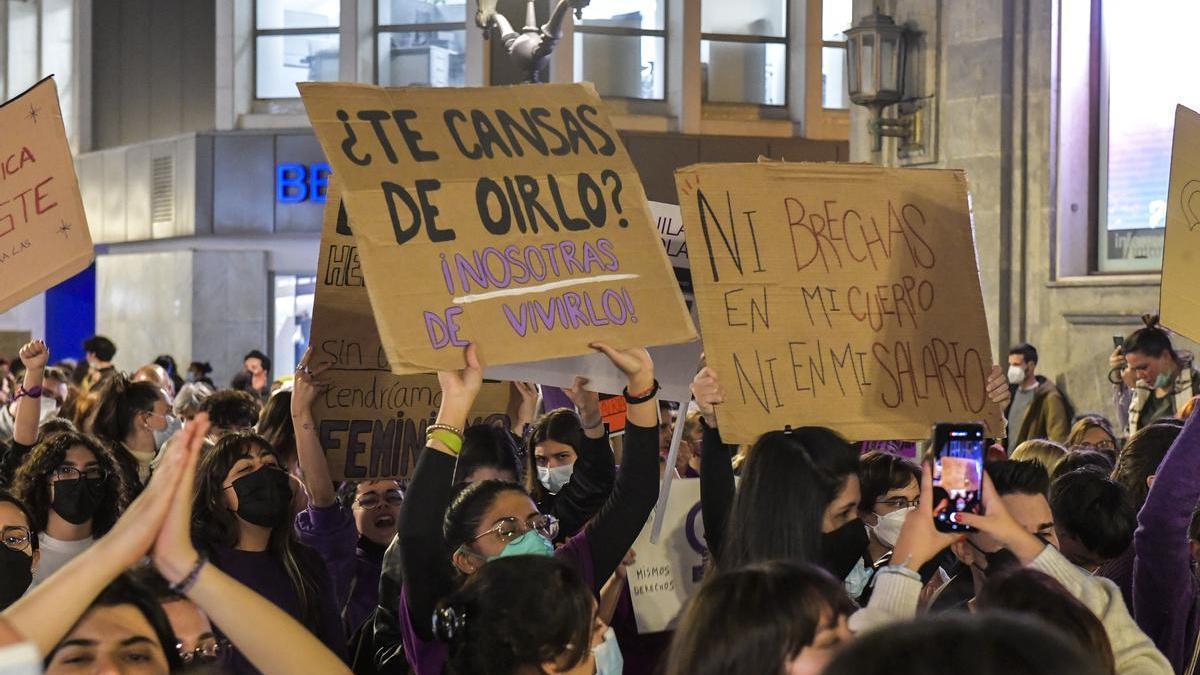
(305, 386)
(459, 388)
(708, 393)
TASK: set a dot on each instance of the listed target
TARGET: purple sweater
(1166, 595)
(354, 565)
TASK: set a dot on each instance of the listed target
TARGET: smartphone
(1119, 342)
(957, 454)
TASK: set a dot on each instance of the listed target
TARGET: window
(22, 50)
(421, 42)
(1138, 93)
(621, 47)
(291, 323)
(294, 41)
(743, 51)
(836, 17)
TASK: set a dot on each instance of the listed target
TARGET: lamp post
(876, 52)
(530, 48)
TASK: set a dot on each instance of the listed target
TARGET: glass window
(22, 46)
(421, 42)
(836, 17)
(621, 47)
(743, 51)
(1138, 99)
(58, 57)
(295, 41)
(293, 304)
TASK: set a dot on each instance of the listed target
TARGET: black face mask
(843, 547)
(16, 574)
(997, 561)
(77, 499)
(264, 497)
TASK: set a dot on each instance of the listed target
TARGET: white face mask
(609, 660)
(887, 528)
(554, 479)
(1016, 374)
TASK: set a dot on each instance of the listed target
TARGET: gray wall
(153, 69)
(996, 102)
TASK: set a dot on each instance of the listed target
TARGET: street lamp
(530, 48)
(877, 51)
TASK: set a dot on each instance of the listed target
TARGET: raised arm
(313, 466)
(34, 355)
(241, 613)
(595, 468)
(46, 613)
(424, 560)
(616, 525)
(716, 461)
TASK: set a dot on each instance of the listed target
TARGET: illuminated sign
(295, 183)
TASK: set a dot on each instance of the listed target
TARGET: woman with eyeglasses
(890, 488)
(19, 553)
(440, 531)
(73, 489)
(242, 523)
(127, 416)
(351, 528)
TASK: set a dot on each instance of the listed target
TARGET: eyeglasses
(900, 502)
(510, 528)
(68, 472)
(15, 537)
(372, 500)
(208, 650)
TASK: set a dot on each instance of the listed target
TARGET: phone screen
(957, 473)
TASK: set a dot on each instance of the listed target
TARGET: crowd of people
(153, 522)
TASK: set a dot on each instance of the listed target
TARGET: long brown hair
(213, 524)
(31, 483)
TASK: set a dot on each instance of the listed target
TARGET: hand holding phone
(957, 457)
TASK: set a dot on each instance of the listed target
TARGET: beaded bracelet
(189, 581)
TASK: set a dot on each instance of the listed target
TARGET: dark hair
(102, 347)
(201, 367)
(1012, 476)
(562, 426)
(881, 472)
(1028, 591)
(1151, 339)
(787, 482)
(1095, 510)
(120, 400)
(1081, 459)
(467, 507)
(6, 497)
(214, 524)
(31, 483)
(275, 425)
(167, 362)
(488, 445)
(1142, 454)
(516, 612)
(125, 590)
(55, 425)
(992, 643)
(231, 409)
(754, 619)
(255, 354)
(1025, 351)
(1085, 424)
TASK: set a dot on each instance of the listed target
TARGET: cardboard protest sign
(371, 422)
(670, 229)
(666, 574)
(1179, 307)
(44, 236)
(838, 295)
(507, 216)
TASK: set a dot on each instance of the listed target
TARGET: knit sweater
(897, 594)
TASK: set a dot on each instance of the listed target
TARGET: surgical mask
(856, 582)
(1162, 381)
(530, 543)
(264, 497)
(608, 655)
(1016, 375)
(843, 547)
(555, 478)
(77, 499)
(16, 574)
(887, 528)
(173, 425)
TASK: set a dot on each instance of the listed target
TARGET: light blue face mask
(530, 543)
(608, 655)
(1162, 381)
